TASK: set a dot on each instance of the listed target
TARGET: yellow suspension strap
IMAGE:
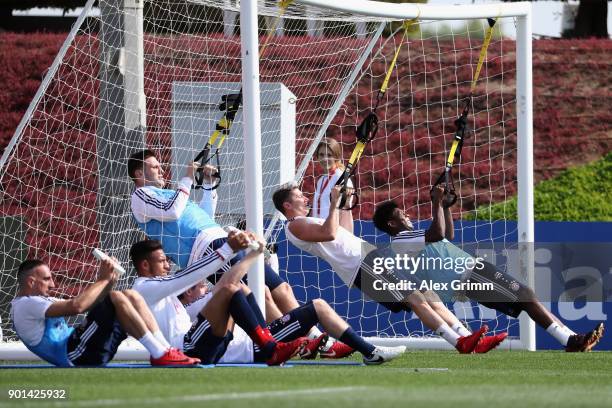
(450, 196)
(230, 104)
(368, 128)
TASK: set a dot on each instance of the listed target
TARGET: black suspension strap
(367, 129)
(446, 177)
(230, 104)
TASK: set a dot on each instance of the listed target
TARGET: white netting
(63, 189)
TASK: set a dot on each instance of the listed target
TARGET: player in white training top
(187, 231)
(327, 239)
(212, 323)
(208, 337)
(509, 296)
(38, 319)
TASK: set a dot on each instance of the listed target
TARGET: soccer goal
(111, 90)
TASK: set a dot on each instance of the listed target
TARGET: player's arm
(346, 220)
(448, 223)
(346, 216)
(155, 289)
(209, 196)
(436, 231)
(147, 206)
(323, 232)
(90, 296)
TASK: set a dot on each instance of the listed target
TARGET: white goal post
(109, 92)
(524, 109)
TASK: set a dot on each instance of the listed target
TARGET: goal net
(112, 89)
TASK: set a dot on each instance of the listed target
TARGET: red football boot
(337, 350)
(284, 351)
(174, 357)
(309, 352)
(467, 344)
(488, 343)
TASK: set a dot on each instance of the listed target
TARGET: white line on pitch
(206, 397)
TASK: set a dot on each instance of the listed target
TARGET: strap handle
(204, 158)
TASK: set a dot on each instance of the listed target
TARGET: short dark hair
(26, 268)
(136, 161)
(282, 195)
(141, 250)
(383, 214)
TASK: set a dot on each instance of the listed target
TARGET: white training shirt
(320, 204)
(28, 316)
(161, 293)
(343, 253)
(240, 349)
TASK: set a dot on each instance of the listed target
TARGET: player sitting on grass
(332, 348)
(186, 230)
(39, 320)
(296, 323)
(218, 310)
(208, 337)
(327, 239)
(508, 296)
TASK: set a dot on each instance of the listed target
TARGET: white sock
(566, 330)
(559, 332)
(447, 334)
(152, 345)
(314, 332)
(461, 330)
(160, 337)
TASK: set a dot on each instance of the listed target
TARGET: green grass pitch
(498, 379)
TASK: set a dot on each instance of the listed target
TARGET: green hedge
(578, 194)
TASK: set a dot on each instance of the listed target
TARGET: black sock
(352, 339)
(241, 311)
(256, 310)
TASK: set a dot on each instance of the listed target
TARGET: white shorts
(203, 240)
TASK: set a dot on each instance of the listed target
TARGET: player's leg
(512, 297)
(96, 340)
(441, 310)
(129, 318)
(282, 294)
(210, 334)
(299, 321)
(145, 313)
(272, 310)
(284, 300)
(375, 286)
(333, 324)
(486, 343)
(229, 300)
(216, 310)
(232, 297)
(133, 323)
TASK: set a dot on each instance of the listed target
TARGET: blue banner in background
(311, 277)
